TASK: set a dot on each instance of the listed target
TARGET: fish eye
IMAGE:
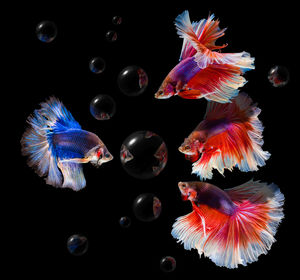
(107, 155)
(187, 147)
(183, 186)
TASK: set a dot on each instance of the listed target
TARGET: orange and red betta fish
(229, 136)
(203, 72)
(233, 226)
(56, 146)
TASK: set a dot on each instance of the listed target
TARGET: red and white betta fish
(229, 136)
(203, 72)
(233, 226)
(57, 146)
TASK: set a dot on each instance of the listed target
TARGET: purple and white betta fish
(56, 146)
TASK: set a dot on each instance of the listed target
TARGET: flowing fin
(35, 145)
(242, 60)
(196, 227)
(241, 237)
(188, 230)
(73, 175)
(239, 145)
(190, 94)
(203, 45)
(250, 231)
(207, 32)
(36, 142)
(57, 115)
(218, 83)
(186, 32)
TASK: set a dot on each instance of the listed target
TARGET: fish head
(188, 190)
(189, 147)
(166, 90)
(100, 155)
(103, 155)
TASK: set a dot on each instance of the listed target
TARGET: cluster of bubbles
(132, 81)
(112, 35)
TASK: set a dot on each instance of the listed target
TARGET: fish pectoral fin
(192, 158)
(190, 94)
(73, 175)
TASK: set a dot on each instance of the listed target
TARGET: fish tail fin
(239, 145)
(36, 142)
(230, 240)
(217, 83)
(250, 231)
(253, 153)
(243, 60)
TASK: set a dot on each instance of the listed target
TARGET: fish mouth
(102, 160)
(161, 95)
(182, 150)
(188, 152)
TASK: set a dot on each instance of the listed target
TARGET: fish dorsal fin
(57, 114)
(199, 41)
(206, 32)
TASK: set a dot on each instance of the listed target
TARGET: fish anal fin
(190, 94)
(72, 174)
(188, 230)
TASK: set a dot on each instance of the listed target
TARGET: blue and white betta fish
(57, 146)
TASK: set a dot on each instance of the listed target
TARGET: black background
(40, 218)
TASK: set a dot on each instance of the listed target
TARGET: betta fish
(233, 226)
(229, 136)
(203, 72)
(56, 146)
